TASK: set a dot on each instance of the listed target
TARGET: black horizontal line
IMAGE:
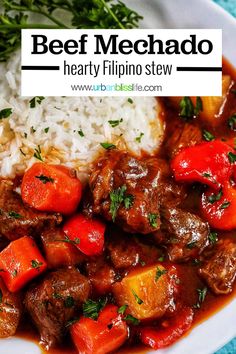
(198, 68)
(39, 67)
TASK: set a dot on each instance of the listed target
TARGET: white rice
(24, 130)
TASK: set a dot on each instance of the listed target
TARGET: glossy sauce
(190, 280)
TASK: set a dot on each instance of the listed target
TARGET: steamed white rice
(54, 124)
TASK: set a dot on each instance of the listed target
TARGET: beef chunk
(17, 219)
(184, 234)
(127, 251)
(183, 136)
(129, 190)
(219, 270)
(10, 311)
(54, 301)
(101, 274)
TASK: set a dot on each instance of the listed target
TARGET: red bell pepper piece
(20, 262)
(207, 163)
(87, 234)
(103, 336)
(51, 188)
(173, 330)
(219, 208)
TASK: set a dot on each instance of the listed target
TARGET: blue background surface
(229, 5)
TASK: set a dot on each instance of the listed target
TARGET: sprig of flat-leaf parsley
(82, 14)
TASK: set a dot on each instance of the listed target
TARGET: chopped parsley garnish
(76, 241)
(122, 309)
(46, 130)
(225, 205)
(232, 122)
(161, 259)
(215, 197)
(14, 215)
(32, 130)
(5, 113)
(25, 135)
(108, 146)
(191, 245)
(35, 264)
(69, 302)
(187, 109)
(201, 297)
(159, 273)
(115, 123)
(152, 218)
(45, 179)
(137, 298)
(1, 296)
(117, 197)
(14, 273)
(36, 100)
(57, 296)
(232, 157)
(92, 308)
(133, 320)
(207, 135)
(213, 237)
(139, 138)
(207, 175)
(81, 133)
(142, 263)
(37, 153)
(130, 100)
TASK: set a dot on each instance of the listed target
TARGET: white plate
(212, 334)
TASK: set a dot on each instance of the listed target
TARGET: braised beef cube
(10, 311)
(219, 271)
(54, 301)
(59, 250)
(184, 234)
(101, 275)
(127, 251)
(128, 190)
(183, 136)
(17, 219)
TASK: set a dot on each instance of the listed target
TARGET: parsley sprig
(119, 197)
(83, 14)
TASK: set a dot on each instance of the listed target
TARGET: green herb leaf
(139, 138)
(215, 197)
(14, 273)
(207, 135)
(45, 179)
(159, 273)
(152, 218)
(225, 205)
(138, 300)
(92, 308)
(191, 245)
(69, 302)
(130, 100)
(122, 309)
(201, 296)
(36, 100)
(187, 109)
(14, 215)
(133, 320)
(213, 237)
(35, 264)
(232, 122)
(199, 106)
(6, 112)
(57, 296)
(46, 130)
(76, 241)
(118, 197)
(37, 153)
(108, 146)
(232, 157)
(81, 133)
(115, 123)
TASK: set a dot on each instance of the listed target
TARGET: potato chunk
(147, 292)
